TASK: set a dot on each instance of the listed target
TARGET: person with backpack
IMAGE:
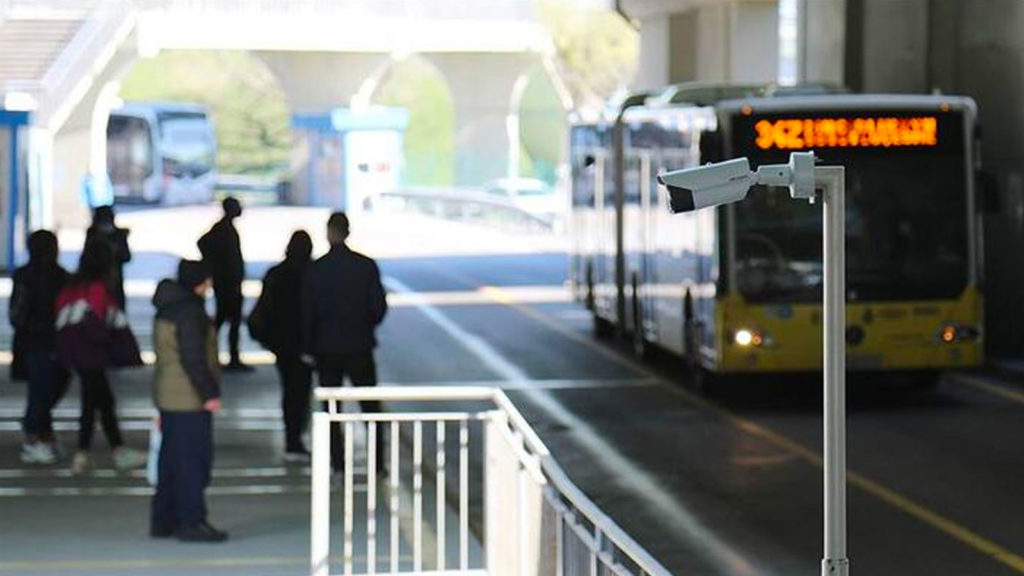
(32, 314)
(187, 394)
(275, 322)
(93, 336)
(104, 228)
(222, 252)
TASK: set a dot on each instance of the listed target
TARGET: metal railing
(531, 520)
(469, 204)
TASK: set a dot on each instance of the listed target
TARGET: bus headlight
(952, 333)
(746, 338)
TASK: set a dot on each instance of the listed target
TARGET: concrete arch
(414, 83)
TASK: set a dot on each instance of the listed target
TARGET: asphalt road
(726, 485)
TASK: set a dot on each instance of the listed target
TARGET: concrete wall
(978, 50)
(969, 47)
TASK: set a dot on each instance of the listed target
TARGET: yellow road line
(1000, 391)
(895, 499)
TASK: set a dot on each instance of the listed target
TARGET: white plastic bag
(153, 461)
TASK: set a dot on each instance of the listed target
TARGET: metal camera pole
(832, 181)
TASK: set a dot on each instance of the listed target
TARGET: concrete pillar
(79, 144)
(821, 41)
(482, 87)
(726, 41)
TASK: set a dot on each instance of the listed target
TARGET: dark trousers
(361, 371)
(183, 470)
(47, 383)
(296, 381)
(97, 397)
(229, 309)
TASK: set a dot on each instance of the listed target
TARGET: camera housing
(710, 185)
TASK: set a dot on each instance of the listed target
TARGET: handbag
(258, 321)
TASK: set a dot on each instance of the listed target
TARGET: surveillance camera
(710, 185)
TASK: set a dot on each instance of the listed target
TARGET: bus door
(604, 236)
(648, 251)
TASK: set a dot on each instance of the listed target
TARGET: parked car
(533, 196)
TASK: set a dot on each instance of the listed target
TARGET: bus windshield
(906, 225)
(186, 143)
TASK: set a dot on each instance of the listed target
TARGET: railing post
(320, 504)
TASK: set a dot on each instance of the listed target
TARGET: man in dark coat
(222, 253)
(343, 302)
(104, 228)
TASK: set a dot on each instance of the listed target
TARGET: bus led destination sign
(862, 132)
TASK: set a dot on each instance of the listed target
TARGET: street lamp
(728, 182)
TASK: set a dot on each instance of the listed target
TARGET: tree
(250, 112)
(596, 50)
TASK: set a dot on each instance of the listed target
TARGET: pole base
(835, 567)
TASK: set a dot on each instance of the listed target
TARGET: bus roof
(852, 101)
(156, 108)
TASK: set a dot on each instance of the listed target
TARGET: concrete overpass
(325, 54)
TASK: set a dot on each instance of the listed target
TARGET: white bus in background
(161, 153)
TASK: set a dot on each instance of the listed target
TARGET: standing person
(276, 323)
(33, 315)
(104, 228)
(187, 393)
(92, 336)
(222, 253)
(343, 302)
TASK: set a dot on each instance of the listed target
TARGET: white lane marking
(672, 512)
(534, 294)
(107, 473)
(71, 410)
(573, 315)
(251, 490)
(146, 424)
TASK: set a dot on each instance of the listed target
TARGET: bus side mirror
(987, 195)
(589, 160)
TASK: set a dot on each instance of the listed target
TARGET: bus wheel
(640, 347)
(695, 377)
(590, 288)
(603, 329)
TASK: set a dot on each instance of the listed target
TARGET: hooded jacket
(187, 367)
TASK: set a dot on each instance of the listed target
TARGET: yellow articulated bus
(737, 289)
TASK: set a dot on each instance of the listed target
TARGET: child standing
(32, 314)
(187, 393)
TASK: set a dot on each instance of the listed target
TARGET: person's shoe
(38, 453)
(55, 446)
(237, 366)
(160, 532)
(79, 463)
(299, 454)
(127, 458)
(202, 532)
